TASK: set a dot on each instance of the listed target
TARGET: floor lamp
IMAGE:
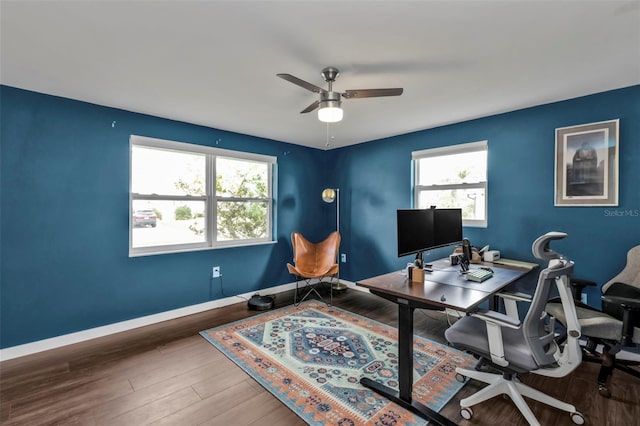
(330, 195)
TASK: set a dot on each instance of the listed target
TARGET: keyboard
(479, 275)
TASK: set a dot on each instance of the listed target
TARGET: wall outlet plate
(343, 258)
(216, 271)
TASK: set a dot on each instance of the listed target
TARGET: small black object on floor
(260, 303)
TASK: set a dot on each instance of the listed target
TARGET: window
(192, 197)
(453, 177)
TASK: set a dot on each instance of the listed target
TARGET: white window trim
(451, 150)
(210, 199)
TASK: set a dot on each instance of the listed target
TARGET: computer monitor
(448, 227)
(420, 230)
(415, 231)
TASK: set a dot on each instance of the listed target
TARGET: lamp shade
(330, 111)
(329, 195)
(330, 107)
(330, 114)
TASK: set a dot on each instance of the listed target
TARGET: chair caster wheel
(460, 377)
(577, 418)
(604, 391)
(466, 413)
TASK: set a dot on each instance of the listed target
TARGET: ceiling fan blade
(310, 107)
(372, 93)
(305, 85)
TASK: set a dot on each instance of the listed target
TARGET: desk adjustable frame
(405, 363)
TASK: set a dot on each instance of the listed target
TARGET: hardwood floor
(168, 374)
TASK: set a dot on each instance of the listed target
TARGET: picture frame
(586, 165)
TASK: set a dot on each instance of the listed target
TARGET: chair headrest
(541, 248)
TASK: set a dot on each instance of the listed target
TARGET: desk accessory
(491, 256)
(479, 275)
(474, 255)
(417, 275)
(516, 263)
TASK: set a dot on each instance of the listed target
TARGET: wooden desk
(443, 288)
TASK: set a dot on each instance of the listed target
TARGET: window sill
(155, 253)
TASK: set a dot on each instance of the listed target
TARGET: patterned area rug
(312, 357)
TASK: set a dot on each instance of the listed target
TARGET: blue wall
(64, 218)
(64, 213)
(376, 180)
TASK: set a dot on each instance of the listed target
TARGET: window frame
(210, 198)
(464, 148)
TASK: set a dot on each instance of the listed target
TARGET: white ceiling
(214, 63)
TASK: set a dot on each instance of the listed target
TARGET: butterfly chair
(313, 262)
(616, 327)
(509, 346)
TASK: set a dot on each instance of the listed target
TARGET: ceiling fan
(329, 102)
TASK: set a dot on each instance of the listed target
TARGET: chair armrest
(625, 303)
(578, 285)
(518, 297)
(497, 318)
(511, 300)
(630, 316)
(494, 322)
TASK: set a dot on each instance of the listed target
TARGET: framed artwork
(587, 165)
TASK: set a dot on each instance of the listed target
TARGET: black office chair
(510, 346)
(613, 329)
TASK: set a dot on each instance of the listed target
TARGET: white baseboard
(93, 333)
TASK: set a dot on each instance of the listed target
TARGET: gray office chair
(511, 346)
(613, 329)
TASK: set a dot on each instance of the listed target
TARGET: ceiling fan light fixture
(330, 112)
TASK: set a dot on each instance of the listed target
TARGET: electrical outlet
(343, 258)
(216, 271)
(583, 298)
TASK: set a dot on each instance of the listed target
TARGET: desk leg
(405, 350)
(405, 372)
(494, 303)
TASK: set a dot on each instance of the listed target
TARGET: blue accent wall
(64, 207)
(376, 180)
(65, 217)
